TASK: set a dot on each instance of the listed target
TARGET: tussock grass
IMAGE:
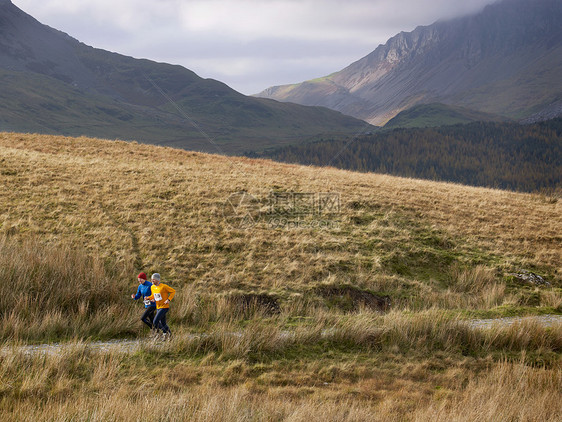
(424, 333)
(80, 385)
(472, 280)
(510, 391)
(52, 292)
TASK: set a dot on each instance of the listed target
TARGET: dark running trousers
(148, 316)
(160, 320)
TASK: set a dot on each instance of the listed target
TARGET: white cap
(155, 276)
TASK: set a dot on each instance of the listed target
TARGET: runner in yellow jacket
(162, 294)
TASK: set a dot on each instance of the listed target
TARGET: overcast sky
(248, 44)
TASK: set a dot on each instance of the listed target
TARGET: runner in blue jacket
(144, 291)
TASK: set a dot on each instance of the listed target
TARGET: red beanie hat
(142, 275)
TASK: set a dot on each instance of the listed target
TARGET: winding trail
(131, 346)
(546, 320)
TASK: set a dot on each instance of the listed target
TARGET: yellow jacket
(160, 294)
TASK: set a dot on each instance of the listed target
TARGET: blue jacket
(144, 291)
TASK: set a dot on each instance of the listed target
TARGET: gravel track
(131, 346)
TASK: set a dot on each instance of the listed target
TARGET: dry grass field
(293, 260)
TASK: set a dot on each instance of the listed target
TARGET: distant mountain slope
(501, 155)
(51, 83)
(437, 114)
(506, 60)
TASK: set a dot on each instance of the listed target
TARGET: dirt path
(546, 320)
(125, 346)
(131, 346)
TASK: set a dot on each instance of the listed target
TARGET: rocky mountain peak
(504, 60)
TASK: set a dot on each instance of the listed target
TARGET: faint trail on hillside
(132, 346)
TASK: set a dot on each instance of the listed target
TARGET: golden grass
(77, 211)
(159, 209)
(57, 291)
(509, 392)
(163, 209)
(140, 207)
(78, 384)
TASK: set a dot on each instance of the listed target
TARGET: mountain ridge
(52, 83)
(503, 60)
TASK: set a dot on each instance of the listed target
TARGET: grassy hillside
(165, 210)
(299, 281)
(208, 117)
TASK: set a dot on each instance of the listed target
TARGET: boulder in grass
(529, 277)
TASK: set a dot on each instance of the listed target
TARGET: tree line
(500, 155)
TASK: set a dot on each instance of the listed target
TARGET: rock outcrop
(530, 278)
